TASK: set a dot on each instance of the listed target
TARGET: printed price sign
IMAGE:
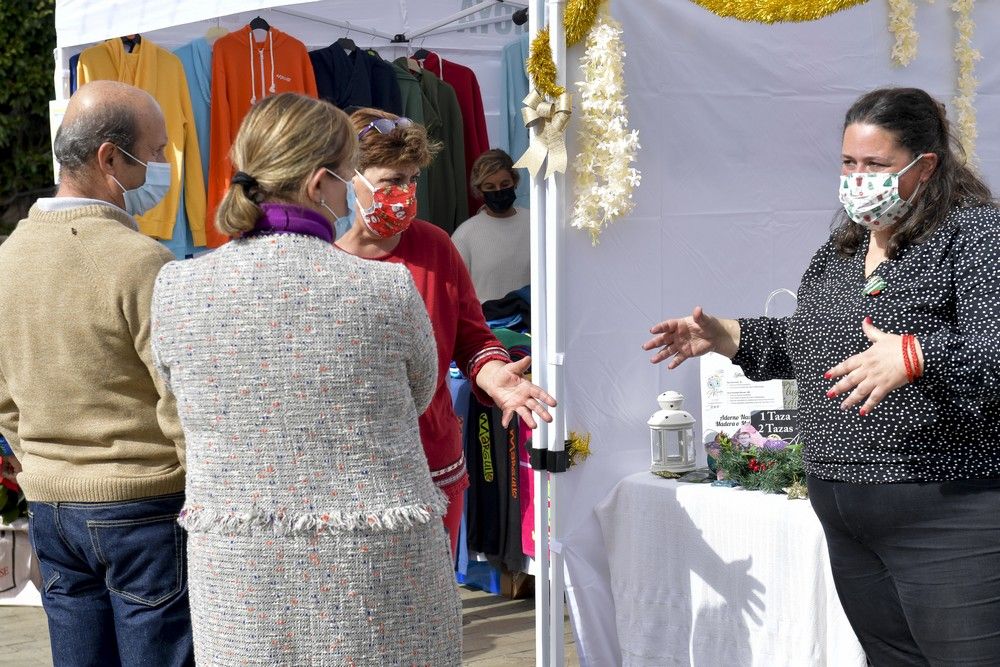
(728, 398)
(782, 423)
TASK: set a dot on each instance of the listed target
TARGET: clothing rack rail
(447, 24)
(337, 23)
(449, 20)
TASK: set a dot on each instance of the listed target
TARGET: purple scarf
(292, 219)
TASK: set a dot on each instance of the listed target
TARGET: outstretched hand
(506, 385)
(870, 375)
(691, 336)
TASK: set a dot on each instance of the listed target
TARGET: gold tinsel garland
(577, 447)
(776, 11)
(578, 20)
(541, 67)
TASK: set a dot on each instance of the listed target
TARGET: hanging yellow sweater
(161, 74)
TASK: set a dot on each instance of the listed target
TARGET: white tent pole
(336, 23)
(60, 77)
(555, 199)
(539, 370)
(485, 4)
(60, 81)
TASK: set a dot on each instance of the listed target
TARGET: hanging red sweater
(470, 101)
(460, 333)
(244, 71)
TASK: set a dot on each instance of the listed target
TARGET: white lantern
(671, 435)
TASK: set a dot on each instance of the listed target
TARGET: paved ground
(498, 633)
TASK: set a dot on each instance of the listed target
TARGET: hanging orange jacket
(244, 71)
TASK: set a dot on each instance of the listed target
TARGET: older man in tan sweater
(93, 426)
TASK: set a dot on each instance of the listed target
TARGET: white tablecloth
(716, 577)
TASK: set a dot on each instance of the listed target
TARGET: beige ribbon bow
(550, 119)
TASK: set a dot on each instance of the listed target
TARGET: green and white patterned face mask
(872, 199)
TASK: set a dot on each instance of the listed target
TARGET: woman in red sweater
(385, 228)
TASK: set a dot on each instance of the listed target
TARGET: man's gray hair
(78, 139)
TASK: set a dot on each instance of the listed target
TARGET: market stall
(740, 124)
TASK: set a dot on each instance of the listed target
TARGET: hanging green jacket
(446, 187)
(413, 108)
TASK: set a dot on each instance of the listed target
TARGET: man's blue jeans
(114, 581)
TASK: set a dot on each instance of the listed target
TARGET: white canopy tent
(474, 39)
(471, 32)
(740, 125)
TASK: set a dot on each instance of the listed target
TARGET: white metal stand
(555, 218)
(548, 213)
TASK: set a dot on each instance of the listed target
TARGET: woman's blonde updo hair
(282, 141)
(403, 146)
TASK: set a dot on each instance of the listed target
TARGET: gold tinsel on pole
(578, 447)
(578, 20)
(541, 67)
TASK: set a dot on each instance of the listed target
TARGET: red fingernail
(863, 412)
(868, 320)
(831, 393)
(828, 375)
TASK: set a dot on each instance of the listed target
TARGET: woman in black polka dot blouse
(895, 345)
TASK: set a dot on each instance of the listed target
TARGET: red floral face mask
(393, 208)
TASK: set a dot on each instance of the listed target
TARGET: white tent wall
(740, 126)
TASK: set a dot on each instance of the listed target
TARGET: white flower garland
(901, 21)
(901, 17)
(966, 57)
(605, 177)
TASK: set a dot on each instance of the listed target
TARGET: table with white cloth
(714, 576)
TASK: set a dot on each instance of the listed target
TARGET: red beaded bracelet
(917, 369)
(906, 358)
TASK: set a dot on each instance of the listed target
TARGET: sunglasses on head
(384, 125)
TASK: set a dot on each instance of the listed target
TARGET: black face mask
(500, 201)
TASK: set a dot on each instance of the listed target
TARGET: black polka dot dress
(944, 426)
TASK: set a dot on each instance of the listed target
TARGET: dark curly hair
(918, 123)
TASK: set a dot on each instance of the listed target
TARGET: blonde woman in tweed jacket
(315, 534)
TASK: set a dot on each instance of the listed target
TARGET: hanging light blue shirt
(196, 57)
(513, 133)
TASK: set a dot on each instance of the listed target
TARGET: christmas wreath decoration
(755, 463)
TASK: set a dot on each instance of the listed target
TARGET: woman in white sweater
(314, 528)
(495, 243)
